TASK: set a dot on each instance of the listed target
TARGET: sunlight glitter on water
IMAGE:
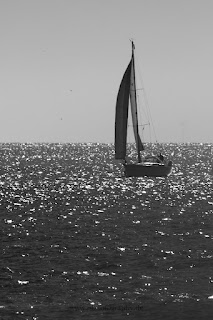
(79, 225)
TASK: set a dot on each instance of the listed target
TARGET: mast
(133, 97)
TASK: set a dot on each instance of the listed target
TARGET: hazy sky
(62, 62)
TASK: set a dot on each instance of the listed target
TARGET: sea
(81, 241)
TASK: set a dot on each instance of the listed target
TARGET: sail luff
(121, 116)
(133, 100)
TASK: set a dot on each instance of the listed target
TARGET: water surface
(79, 240)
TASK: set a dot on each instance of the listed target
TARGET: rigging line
(146, 100)
(149, 116)
(140, 125)
(144, 116)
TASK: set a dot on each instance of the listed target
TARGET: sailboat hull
(148, 170)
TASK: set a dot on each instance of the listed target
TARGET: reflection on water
(76, 234)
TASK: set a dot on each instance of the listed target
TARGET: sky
(61, 63)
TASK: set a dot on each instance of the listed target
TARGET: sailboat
(151, 166)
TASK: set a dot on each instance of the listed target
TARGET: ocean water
(81, 241)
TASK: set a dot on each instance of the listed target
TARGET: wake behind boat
(152, 166)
